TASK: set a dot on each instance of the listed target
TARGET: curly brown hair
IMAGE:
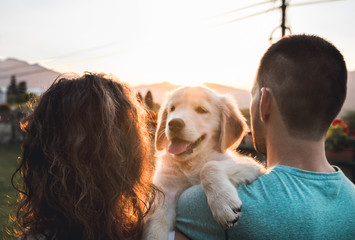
(85, 169)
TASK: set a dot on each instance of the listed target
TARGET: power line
(240, 9)
(283, 27)
(85, 50)
(245, 17)
(118, 42)
(92, 58)
(283, 7)
(312, 3)
(67, 55)
(119, 52)
(3, 78)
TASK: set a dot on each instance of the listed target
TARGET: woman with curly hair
(85, 170)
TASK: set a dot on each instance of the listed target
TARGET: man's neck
(284, 148)
(298, 153)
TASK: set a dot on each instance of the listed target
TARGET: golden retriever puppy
(196, 129)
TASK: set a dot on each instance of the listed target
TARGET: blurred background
(156, 46)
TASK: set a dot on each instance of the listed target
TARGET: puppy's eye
(172, 108)
(201, 110)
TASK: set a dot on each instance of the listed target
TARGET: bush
(350, 117)
(337, 136)
(5, 107)
(246, 113)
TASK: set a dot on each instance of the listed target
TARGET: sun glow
(192, 81)
(146, 42)
(188, 51)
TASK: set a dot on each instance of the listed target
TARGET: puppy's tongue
(177, 147)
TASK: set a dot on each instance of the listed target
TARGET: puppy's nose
(176, 124)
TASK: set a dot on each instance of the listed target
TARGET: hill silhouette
(160, 90)
(36, 76)
(39, 77)
(242, 96)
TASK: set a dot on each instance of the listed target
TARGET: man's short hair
(307, 76)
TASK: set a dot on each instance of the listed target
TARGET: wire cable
(246, 17)
(312, 3)
(66, 55)
(240, 9)
(84, 50)
(118, 42)
(2, 78)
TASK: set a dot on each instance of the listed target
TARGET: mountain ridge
(39, 77)
(35, 75)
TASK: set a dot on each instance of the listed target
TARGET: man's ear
(265, 103)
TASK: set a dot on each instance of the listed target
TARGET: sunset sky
(150, 41)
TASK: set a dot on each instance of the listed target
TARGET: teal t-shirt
(287, 203)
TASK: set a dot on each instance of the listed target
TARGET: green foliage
(12, 88)
(246, 113)
(17, 94)
(5, 107)
(350, 117)
(9, 154)
(336, 138)
(12, 91)
(22, 87)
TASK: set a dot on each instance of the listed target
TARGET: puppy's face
(194, 119)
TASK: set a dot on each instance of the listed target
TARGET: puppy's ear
(233, 124)
(160, 137)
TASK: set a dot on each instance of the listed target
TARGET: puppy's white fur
(218, 121)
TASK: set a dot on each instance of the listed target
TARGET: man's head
(306, 75)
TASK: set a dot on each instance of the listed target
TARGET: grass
(9, 154)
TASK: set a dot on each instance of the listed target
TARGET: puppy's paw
(226, 207)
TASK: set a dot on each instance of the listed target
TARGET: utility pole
(283, 24)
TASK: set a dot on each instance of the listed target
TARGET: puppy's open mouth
(179, 147)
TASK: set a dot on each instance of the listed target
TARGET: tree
(17, 93)
(22, 87)
(148, 99)
(22, 95)
(5, 107)
(246, 113)
(350, 117)
(11, 93)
